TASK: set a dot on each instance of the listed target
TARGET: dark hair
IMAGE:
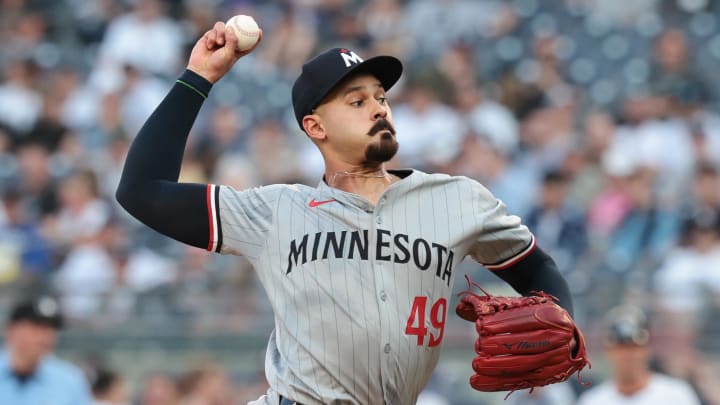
(706, 169)
(102, 380)
(555, 176)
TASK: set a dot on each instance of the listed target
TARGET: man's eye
(382, 100)
(357, 103)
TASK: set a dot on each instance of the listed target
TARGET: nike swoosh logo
(314, 203)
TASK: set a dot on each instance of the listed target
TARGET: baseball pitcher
(358, 269)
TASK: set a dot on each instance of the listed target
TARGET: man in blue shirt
(29, 373)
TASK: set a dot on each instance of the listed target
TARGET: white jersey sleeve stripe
(513, 260)
(211, 217)
(213, 201)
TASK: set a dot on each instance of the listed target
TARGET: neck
(630, 387)
(367, 181)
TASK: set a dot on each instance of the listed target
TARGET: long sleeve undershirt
(148, 188)
(538, 272)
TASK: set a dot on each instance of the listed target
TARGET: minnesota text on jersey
(398, 248)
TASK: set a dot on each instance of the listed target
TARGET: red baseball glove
(523, 342)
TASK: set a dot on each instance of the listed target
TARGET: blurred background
(595, 120)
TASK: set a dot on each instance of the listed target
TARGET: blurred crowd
(596, 121)
(202, 384)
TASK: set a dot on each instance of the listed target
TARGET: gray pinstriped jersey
(360, 292)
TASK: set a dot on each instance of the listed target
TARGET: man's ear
(314, 127)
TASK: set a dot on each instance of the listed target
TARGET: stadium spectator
(29, 373)
(433, 129)
(293, 40)
(109, 388)
(20, 100)
(85, 275)
(688, 283)
(159, 389)
(146, 23)
(488, 119)
(558, 226)
(588, 173)
(225, 135)
(647, 229)
(26, 254)
(270, 139)
(704, 193)
(206, 384)
(384, 22)
(83, 212)
(679, 88)
(628, 352)
(36, 180)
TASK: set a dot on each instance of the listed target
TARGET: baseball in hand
(246, 30)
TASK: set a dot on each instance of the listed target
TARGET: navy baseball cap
(43, 310)
(628, 325)
(322, 73)
(704, 219)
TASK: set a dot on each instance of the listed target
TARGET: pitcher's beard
(383, 150)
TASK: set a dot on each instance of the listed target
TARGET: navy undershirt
(148, 188)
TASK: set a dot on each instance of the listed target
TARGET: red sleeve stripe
(513, 260)
(212, 217)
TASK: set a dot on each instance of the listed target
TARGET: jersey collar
(402, 173)
(331, 192)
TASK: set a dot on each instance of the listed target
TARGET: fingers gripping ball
(246, 30)
(523, 342)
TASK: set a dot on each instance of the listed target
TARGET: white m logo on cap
(350, 57)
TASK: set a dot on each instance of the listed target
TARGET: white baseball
(246, 30)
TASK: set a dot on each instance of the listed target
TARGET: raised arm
(149, 188)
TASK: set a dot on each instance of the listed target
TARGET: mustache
(381, 125)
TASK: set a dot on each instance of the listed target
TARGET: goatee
(383, 149)
(386, 147)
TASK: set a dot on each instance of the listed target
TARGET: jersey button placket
(386, 366)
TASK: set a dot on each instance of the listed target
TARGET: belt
(286, 401)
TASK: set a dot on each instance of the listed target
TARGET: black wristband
(196, 82)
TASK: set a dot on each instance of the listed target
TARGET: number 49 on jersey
(417, 326)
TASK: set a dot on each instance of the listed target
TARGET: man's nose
(380, 111)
